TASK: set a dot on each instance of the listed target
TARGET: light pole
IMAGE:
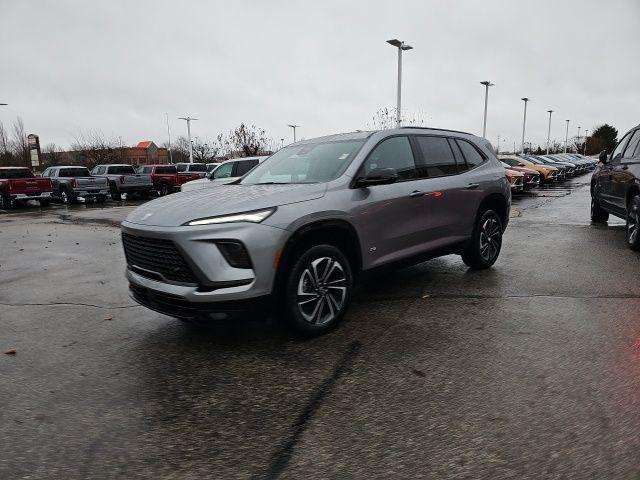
(282, 143)
(566, 137)
(294, 131)
(578, 141)
(586, 137)
(498, 149)
(169, 135)
(549, 131)
(486, 84)
(401, 46)
(188, 120)
(524, 120)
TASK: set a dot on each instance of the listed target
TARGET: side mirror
(521, 165)
(603, 156)
(378, 176)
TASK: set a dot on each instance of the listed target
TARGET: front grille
(159, 257)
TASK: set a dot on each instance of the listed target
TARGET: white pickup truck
(72, 182)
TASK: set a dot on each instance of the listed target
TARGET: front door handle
(472, 186)
(416, 193)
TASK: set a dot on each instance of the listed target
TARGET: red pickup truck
(166, 178)
(19, 184)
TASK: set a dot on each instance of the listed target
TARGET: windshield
(121, 170)
(74, 172)
(310, 163)
(16, 173)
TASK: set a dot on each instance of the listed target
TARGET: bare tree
(5, 147)
(205, 152)
(19, 144)
(244, 141)
(51, 155)
(385, 118)
(94, 148)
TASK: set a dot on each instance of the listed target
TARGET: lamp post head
(549, 112)
(294, 126)
(525, 99)
(4, 104)
(399, 44)
(487, 83)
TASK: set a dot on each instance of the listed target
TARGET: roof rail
(439, 129)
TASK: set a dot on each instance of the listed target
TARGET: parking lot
(526, 370)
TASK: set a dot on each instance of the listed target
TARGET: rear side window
(243, 167)
(198, 167)
(471, 155)
(224, 170)
(392, 153)
(16, 173)
(181, 168)
(437, 156)
(633, 147)
(74, 172)
(165, 170)
(120, 170)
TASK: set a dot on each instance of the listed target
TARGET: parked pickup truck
(19, 184)
(199, 169)
(166, 178)
(71, 183)
(124, 179)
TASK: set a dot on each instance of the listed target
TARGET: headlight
(255, 216)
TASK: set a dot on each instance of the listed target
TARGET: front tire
(318, 290)
(598, 214)
(164, 189)
(115, 193)
(5, 202)
(633, 223)
(486, 243)
(44, 203)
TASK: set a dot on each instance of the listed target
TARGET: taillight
(73, 183)
(121, 179)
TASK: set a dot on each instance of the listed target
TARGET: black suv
(615, 186)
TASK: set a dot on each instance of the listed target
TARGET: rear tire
(68, 197)
(5, 202)
(598, 214)
(101, 198)
(164, 189)
(144, 195)
(115, 193)
(317, 290)
(633, 223)
(486, 243)
(44, 203)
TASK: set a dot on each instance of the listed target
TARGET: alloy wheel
(633, 218)
(322, 290)
(490, 239)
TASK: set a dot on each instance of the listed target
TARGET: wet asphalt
(528, 370)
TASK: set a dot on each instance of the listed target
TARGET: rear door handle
(416, 193)
(472, 186)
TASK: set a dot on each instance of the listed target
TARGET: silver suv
(300, 228)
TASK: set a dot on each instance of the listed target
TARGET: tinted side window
(632, 149)
(457, 153)
(392, 153)
(438, 156)
(471, 155)
(165, 170)
(244, 167)
(181, 168)
(224, 170)
(617, 153)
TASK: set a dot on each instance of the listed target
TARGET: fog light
(235, 254)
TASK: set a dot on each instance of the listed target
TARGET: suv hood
(179, 208)
(206, 183)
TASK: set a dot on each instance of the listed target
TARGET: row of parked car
(530, 171)
(68, 184)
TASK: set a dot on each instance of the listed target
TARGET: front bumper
(217, 282)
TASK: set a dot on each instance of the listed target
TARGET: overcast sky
(117, 66)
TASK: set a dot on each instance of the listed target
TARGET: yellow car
(547, 173)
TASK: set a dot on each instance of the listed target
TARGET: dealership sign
(34, 149)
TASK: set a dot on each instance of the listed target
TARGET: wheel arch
(497, 202)
(632, 192)
(337, 232)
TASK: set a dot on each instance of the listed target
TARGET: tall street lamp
(566, 137)
(188, 120)
(586, 137)
(524, 120)
(169, 135)
(486, 84)
(294, 131)
(401, 46)
(549, 131)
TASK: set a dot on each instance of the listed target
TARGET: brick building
(145, 153)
